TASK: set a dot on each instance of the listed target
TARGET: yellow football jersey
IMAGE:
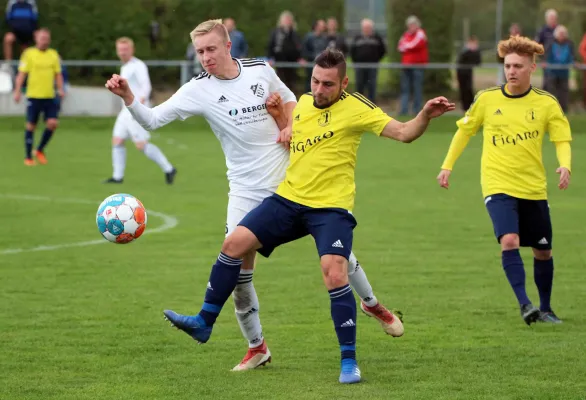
(514, 128)
(41, 67)
(324, 147)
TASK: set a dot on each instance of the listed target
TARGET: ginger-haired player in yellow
(516, 117)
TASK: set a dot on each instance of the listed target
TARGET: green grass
(86, 322)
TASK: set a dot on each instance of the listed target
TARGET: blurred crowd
(287, 45)
(367, 49)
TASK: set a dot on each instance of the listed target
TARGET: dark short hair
(332, 58)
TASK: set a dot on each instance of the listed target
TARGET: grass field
(85, 322)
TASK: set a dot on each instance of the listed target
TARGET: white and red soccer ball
(121, 218)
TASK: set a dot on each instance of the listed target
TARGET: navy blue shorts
(529, 219)
(277, 221)
(49, 108)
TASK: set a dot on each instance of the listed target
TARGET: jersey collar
(515, 96)
(236, 77)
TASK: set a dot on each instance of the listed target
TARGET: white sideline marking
(169, 222)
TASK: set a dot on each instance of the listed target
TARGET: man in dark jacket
(368, 47)
(335, 39)
(285, 46)
(470, 56)
(313, 44)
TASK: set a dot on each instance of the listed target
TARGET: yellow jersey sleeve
(57, 63)
(557, 124)
(474, 117)
(370, 118)
(24, 65)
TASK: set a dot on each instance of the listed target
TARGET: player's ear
(345, 82)
(533, 67)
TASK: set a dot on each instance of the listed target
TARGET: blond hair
(208, 26)
(125, 40)
(520, 45)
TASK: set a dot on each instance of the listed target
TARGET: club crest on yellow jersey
(325, 118)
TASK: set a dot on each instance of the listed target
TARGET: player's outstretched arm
(149, 118)
(409, 131)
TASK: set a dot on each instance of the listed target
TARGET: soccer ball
(121, 218)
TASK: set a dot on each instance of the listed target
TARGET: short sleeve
(276, 85)
(24, 64)
(557, 124)
(373, 120)
(474, 117)
(57, 64)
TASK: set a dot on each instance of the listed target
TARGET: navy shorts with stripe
(49, 108)
(277, 221)
(529, 219)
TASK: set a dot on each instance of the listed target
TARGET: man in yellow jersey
(43, 67)
(316, 198)
(515, 118)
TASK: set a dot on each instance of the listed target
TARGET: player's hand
(119, 86)
(438, 106)
(16, 95)
(443, 178)
(564, 178)
(275, 105)
(61, 93)
(285, 138)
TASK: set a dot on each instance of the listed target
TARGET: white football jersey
(137, 74)
(235, 110)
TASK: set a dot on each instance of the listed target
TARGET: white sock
(246, 304)
(118, 161)
(359, 282)
(155, 154)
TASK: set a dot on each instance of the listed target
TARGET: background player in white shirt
(136, 74)
(233, 96)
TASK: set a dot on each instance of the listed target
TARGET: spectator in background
(22, 19)
(560, 52)
(368, 47)
(583, 55)
(335, 39)
(239, 46)
(470, 56)
(285, 46)
(414, 51)
(191, 57)
(313, 44)
(514, 30)
(545, 37)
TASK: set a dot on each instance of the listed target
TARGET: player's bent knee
(510, 241)
(335, 270)
(52, 124)
(240, 242)
(249, 261)
(116, 142)
(140, 145)
(9, 38)
(542, 255)
(30, 126)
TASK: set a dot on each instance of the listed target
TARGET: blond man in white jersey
(136, 73)
(233, 96)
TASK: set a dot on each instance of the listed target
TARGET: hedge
(86, 30)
